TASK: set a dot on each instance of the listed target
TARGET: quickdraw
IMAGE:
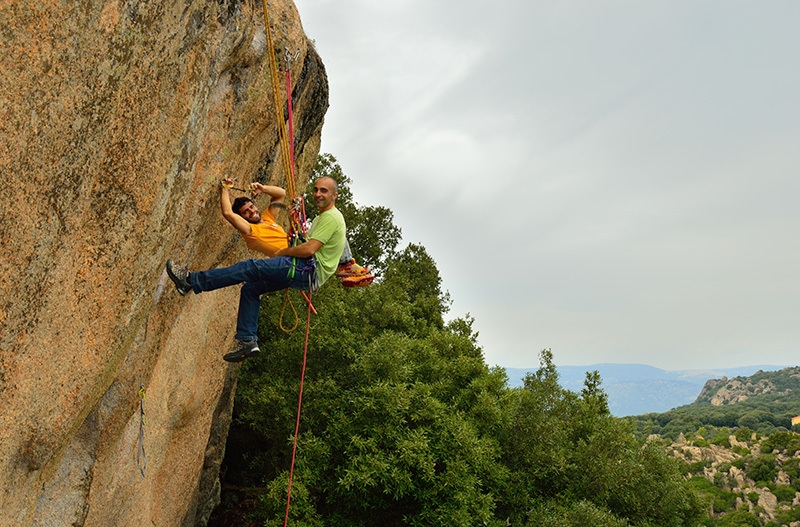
(141, 457)
(249, 189)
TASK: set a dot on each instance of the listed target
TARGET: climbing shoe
(351, 268)
(243, 349)
(180, 276)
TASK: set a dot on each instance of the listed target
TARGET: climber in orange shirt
(261, 232)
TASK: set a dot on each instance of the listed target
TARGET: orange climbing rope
(286, 141)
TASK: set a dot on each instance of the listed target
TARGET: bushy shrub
(739, 518)
(790, 516)
(712, 496)
(762, 469)
(755, 418)
(742, 451)
(743, 434)
(577, 514)
(722, 440)
(787, 442)
(696, 467)
(784, 493)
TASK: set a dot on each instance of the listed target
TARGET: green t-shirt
(329, 229)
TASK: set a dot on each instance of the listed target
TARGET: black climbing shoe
(180, 276)
(242, 350)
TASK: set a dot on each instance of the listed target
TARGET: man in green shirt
(305, 266)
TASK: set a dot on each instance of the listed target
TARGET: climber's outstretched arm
(225, 205)
(275, 193)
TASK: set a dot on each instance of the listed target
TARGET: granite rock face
(117, 121)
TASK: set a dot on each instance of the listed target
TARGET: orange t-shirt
(266, 237)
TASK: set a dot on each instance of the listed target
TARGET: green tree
(399, 412)
(713, 497)
(563, 446)
(788, 442)
(755, 418)
(415, 270)
(762, 469)
(784, 493)
(572, 514)
(744, 434)
(739, 518)
(789, 516)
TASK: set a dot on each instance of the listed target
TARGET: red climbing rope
(297, 216)
(300, 217)
(289, 107)
(299, 405)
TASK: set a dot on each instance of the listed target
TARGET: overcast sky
(615, 180)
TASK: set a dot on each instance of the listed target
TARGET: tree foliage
(404, 423)
(397, 409)
(562, 444)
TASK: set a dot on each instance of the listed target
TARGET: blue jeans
(259, 276)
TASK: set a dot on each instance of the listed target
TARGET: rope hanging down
(297, 214)
(299, 405)
(299, 226)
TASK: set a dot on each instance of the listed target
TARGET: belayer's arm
(304, 250)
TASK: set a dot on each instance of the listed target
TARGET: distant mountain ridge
(635, 389)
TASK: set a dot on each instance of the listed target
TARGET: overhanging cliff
(117, 121)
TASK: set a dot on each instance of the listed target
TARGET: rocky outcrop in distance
(117, 120)
(725, 391)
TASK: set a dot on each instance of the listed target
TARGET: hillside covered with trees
(404, 423)
(741, 452)
(764, 402)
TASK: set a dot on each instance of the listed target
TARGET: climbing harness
(141, 457)
(310, 265)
